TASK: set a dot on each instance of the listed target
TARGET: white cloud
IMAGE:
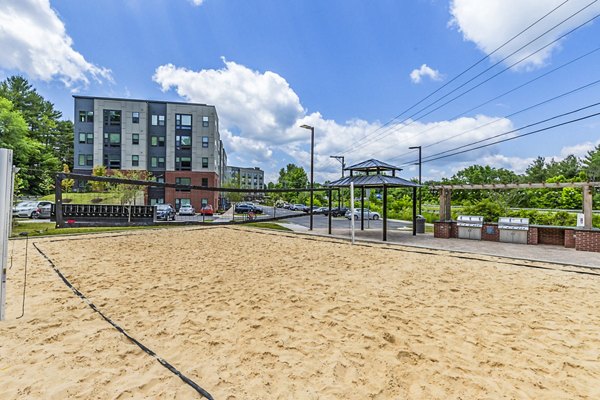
(490, 23)
(417, 74)
(260, 117)
(33, 40)
(197, 2)
(261, 105)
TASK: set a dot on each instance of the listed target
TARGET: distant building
(177, 142)
(248, 178)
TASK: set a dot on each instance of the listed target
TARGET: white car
(29, 209)
(187, 209)
(368, 214)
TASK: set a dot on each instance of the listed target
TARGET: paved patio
(543, 253)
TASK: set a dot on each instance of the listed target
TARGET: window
(135, 138)
(135, 117)
(205, 141)
(157, 120)
(112, 161)
(154, 120)
(82, 137)
(157, 141)
(182, 202)
(82, 159)
(183, 121)
(205, 122)
(204, 162)
(86, 116)
(183, 141)
(157, 162)
(205, 182)
(89, 160)
(112, 139)
(112, 117)
(204, 202)
(183, 181)
(183, 163)
(135, 160)
(161, 120)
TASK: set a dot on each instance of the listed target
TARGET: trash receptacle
(420, 224)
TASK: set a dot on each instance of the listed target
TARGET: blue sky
(347, 67)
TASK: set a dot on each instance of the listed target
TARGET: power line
(516, 137)
(395, 128)
(500, 96)
(485, 81)
(506, 116)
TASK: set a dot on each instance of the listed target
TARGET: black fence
(105, 215)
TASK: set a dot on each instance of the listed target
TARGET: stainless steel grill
(469, 226)
(513, 230)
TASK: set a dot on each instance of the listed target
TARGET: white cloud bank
(416, 76)
(33, 40)
(490, 23)
(260, 117)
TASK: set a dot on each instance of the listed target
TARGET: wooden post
(445, 205)
(587, 207)
(384, 213)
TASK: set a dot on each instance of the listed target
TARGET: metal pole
(6, 176)
(420, 197)
(362, 208)
(385, 194)
(329, 213)
(414, 211)
(342, 161)
(352, 210)
(312, 173)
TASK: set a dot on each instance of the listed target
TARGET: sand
(250, 314)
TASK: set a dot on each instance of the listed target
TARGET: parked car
(29, 209)
(165, 212)
(336, 211)
(320, 210)
(187, 209)
(207, 210)
(368, 214)
(315, 209)
(243, 208)
(298, 207)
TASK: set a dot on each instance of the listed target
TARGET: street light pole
(312, 162)
(420, 198)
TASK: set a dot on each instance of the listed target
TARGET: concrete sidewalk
(543, 253)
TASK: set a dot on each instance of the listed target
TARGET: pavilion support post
(330, 193)
(58, 210)
(362, 208)
(587, 207)
(384, 213)
(414, 216)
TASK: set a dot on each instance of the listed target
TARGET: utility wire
(501, 118)
(515, 137)
(394, 128)
(494, 99)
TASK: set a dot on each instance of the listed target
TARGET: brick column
(587, 240)
(532, 235)
(442, 230)
(570, 238)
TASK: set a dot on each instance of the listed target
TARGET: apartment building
(175, 142)
(248, 178)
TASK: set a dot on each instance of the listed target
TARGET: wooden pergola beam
(496, 186)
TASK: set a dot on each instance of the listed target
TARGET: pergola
(586, 187)
(372, 174)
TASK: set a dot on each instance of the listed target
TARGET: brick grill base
(570, 238)
(555, 236)
(490, 233)
(587, 240)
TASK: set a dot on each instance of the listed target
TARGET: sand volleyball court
(249, 314)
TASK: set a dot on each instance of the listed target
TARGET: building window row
(183, 181)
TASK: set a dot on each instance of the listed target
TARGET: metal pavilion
(377, 174)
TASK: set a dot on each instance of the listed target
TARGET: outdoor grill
(513, 230)
(469, 226)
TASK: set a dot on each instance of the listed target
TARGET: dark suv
(165, 212)
(243, 208)
(337, 211)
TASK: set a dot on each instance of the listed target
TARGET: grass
(48, 228)
(268, 225)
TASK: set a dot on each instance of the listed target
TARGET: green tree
(591, 164)
(98, 170)
(67, 184)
